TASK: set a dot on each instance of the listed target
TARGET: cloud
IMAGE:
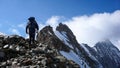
(93, 28)
(22, 25)
(15, 31)
(99, 26)
(54, 20)
(41, 26)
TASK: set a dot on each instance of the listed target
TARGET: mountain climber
(31, 29)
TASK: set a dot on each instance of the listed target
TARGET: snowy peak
(64, 28)
(65, 31)
(106, 44)
(108, 54)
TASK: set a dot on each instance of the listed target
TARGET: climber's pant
(32, 38)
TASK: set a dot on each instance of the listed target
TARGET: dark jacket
(31, 27)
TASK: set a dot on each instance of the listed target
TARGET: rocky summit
(15, 52)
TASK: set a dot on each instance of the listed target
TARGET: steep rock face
(62, 28)
(109, 54)
(91, 57)
(92, 53)
(65, 35)
(47, 36)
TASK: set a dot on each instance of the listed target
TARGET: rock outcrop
(47, 36)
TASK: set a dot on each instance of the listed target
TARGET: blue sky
(14, 13)
(19, 10)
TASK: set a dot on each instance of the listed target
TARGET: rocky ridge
(15, 52)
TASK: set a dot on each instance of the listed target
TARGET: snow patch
(49, 32)
(73, 56)
(95, 49)
(63, 37)
(17, 48)
(89, 54)
(6, 46)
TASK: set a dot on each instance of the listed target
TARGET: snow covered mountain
(109, 54)
(103, 55)
(64, 40)
(83, 57)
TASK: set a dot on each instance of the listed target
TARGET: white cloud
(22, 25)
(41, 26)
(93, 28)
(15, 31)
(54, 20)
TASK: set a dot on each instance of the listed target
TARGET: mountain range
(57, 49)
